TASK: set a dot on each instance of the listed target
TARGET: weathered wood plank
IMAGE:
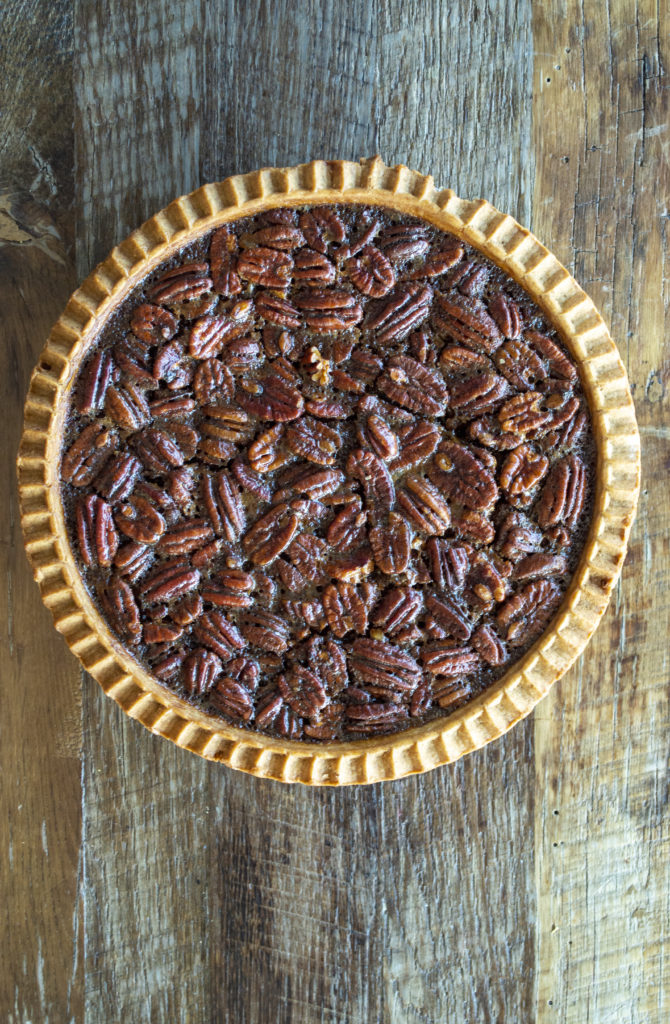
(40, 977)
(457, 879)
(145, 804)
(602, 846)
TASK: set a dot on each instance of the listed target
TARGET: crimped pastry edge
(511, 698)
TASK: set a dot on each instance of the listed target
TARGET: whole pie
(326, 470)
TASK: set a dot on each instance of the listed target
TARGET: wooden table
(528, 882)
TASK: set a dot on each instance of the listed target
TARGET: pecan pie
(327, 471)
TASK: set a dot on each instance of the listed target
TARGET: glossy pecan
(186, 537)
(390, 543)
(264, 454)
(462, 477)
(489, 646)
(378, 435)
(414, 386)
(448, 563)
(272, 398)
(96, 533)
(213, 382)
(313, 440)
(100, 371)
(277, 236)
(418, 441)
(200, 671)
(88, 454)
(133, 560)
(140, 521)
(134, 358)
(328, 311)
(232, 699)
(476, 394)
(153, 324)
(522, 470)
(250, 480)
(516, 535)
(268, 267)
(397, 609)
(127, 406)
(445, 659)
(373, 719)
(404, 242)
(218, 634)
(525, 614)
(463, 360)
(437, 262)
(452, 616)
(117, 479)
(209, 334)
(559, 363)
(506, 314)
(181, 284)
(313, 268)
(352, 567)
(403, 309)
(539, 565)
(171, 407)
(264, 630)
(222, 249)
(158, 451)
(467, 321)
(187, 610)
(563, 494)
(348, 526)
(378, 490)
(345, 609)
(424, 506)
(519, 364)
(328, 661)
(169, 581)
(276, 310)
(223, 503)
(384, 669)
(270, 534)
(371, 272)
(120, 606)
(322, 225)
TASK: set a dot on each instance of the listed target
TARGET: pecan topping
(325, 474)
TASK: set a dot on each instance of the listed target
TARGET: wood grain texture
(601, 831)
(40, 972)
(529, 881)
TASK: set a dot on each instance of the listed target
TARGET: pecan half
(371, 272)
(99, 372)
(140, 521)
(181, 284)
(414, 386)
(88, 454)
(270, 535)
(272, 399)
(467, 321)
(97, 536)
(118, 602)
(522, 470)
(345, 609)
(217, 633)
(321, 225)
(390, 543)
(200, 671)
(225, 279)
(446, 659)
(424, 506)
(403, 309)
(372, 474)
(462, 477)
(563, 494)
(328, 311)
(268, 267)
(385, 669)
(117, 479)
(313, 440)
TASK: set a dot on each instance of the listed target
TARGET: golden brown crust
(604, 379)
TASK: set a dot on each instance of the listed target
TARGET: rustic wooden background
(528, 882)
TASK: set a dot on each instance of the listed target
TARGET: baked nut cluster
(328, 472)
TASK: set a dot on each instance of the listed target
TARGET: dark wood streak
(527, 882)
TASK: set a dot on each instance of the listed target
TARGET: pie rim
(442, 740)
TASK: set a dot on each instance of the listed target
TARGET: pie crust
(523, 258)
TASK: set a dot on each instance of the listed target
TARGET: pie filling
(327, 473)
